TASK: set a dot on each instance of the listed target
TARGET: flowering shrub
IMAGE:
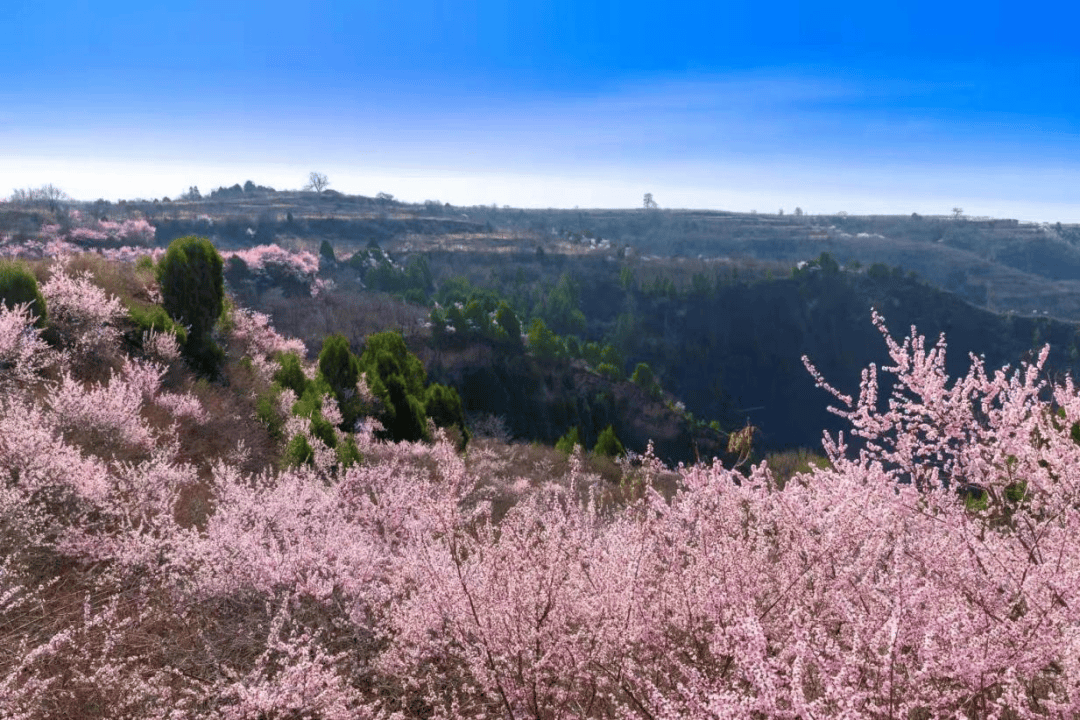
(83, 313)
(258, 340)
(930, 571)
(89, 231)
(37, 249)
(279, 266)
(22, 351)
(133, 254)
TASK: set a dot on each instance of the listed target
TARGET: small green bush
(397, 378)
(266, 412)
(645, 378)
(443, 405)
(291, 373)
(154, 318)
(322, 429)
(18, 285)
(542, 341)
(299, 452)
(310, 403)
(326, 250)
(611, 372)
(608, 444)
(340, 370)
(506, 319)
(643, 375)
(236, 268)
(348, 454)
(566, 443)
(339, 367)
(193, 293)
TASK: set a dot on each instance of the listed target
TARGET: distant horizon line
(496, 207)
(981, 211)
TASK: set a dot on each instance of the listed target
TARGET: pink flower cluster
(53, 247)
(37, 249)
(131, 254)
(130, 231)
(83, 313)
(301, 262)
(258, 340)
(22, 351)
(873, 588)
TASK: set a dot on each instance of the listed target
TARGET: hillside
(177, 546)
(709, 300)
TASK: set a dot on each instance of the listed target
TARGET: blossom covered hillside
(161, 557)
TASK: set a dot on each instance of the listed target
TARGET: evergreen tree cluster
(412, 283)
(470, 313)
(607, 444)
(395, 377)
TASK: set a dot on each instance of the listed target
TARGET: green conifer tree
(567, 442)
(341, 371)
(192, 284)
(193, 293)
(326, 250)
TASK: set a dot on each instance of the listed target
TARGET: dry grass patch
(131, 282)
(354, 315)
(785, 465)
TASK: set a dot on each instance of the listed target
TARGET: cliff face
(735, 355)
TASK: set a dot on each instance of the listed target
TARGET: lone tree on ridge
(317, 182)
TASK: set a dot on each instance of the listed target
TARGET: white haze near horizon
(681, 188)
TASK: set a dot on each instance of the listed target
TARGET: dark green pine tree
(193, 293)
(443, 406)
(192, 284)
(608, 444)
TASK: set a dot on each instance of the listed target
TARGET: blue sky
(889, 107)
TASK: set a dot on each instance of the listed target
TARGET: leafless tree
(650, 204)
(317, 182)
(47, 195)
(957, 212)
